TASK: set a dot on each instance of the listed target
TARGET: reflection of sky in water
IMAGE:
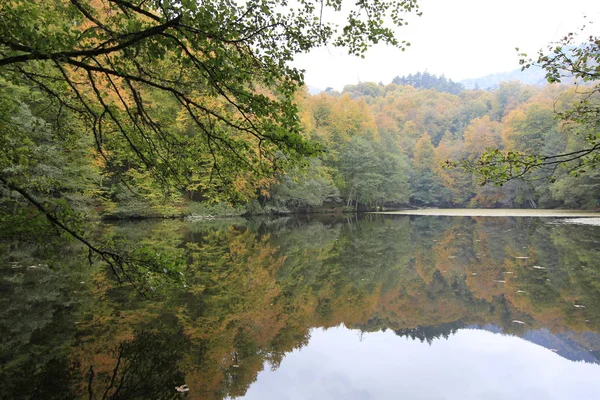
(472, 364)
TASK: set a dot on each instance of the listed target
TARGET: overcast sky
(339, 363)
(459, 38)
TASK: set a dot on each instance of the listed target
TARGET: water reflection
(470, 364)
(255, 291)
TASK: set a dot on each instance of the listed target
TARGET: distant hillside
(531, 76)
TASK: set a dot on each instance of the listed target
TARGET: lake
(318, 307)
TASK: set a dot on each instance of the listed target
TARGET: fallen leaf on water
(182, 388)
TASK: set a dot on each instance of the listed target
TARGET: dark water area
(374, 307)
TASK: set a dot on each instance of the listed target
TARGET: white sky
(470, 364)
(458, 38)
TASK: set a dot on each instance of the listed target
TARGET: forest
(381, 145)
(378, 146)
(393, 145)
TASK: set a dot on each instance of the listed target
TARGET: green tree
(426, 186)
(361, 169)
(426, 80)
(306, 188)
(396, 176)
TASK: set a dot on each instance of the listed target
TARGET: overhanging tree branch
(34, 55)
(117, 263)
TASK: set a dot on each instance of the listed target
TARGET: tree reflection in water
(254, 290)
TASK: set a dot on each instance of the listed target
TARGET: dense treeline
(382, 146)
(387, 145)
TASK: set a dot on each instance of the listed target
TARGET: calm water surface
(375, 307)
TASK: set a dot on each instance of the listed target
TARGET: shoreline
(495, 212)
